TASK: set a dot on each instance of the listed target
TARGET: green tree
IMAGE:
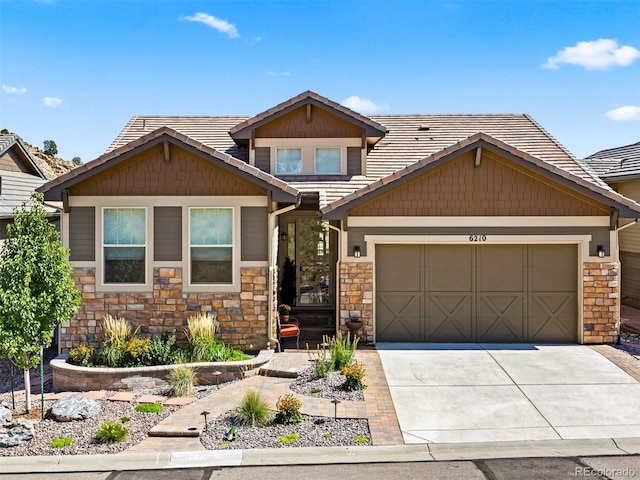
(76, 161)
(50, 147)
(37, 291)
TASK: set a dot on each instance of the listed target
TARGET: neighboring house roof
(338, 208)
(17, 187)
(621, 163)
(409, 138)
(53, 189)
(371, 127)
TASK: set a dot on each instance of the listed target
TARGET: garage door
(476, 293)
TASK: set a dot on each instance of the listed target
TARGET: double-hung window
(289, 160)
(124, 243)
(211, 245)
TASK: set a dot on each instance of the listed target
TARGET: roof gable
(245, 130)
(341, 207)
(162, 140)
(15, 157)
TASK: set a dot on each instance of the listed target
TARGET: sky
(76, 71)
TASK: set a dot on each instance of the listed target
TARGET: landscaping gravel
(312, 432)
(308, 383)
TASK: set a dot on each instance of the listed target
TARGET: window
(211, 245)
(328, 160)
(124, 238)
(289, 160)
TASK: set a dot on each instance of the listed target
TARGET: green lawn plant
(111, 432)
(149, 408)
(253, 410)
(182, 380)
(342, 349)
(37, 291)
(288, 407)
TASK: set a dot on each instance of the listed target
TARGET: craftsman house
(428, 228)
(620, 168)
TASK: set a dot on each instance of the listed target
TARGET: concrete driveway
(446, 393)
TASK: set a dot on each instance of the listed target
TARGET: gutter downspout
(273, 240)
(336, 286)
(627, 225)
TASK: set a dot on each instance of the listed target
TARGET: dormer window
(288, 160)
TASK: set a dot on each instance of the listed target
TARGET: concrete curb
(321, 455)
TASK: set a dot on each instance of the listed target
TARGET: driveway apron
(446, 393)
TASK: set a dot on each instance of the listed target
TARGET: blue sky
(77, 71)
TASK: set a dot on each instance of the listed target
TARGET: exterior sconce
(283, 237)
(600, 251)
(356, 251)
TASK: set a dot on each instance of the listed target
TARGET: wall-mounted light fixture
(600, 251)
(283, 237)
(356, 251)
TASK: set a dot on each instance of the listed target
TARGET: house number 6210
(477, 238)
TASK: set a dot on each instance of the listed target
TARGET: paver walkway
(377, 406)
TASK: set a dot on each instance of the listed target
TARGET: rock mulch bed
(309, 384)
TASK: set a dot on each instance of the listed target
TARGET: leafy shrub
(200, 333)
(219, 352)
(161, 350)
(136, 352)
(288, 410)
(111, 432)
(342, 350)
(149, 407)
(82, 355)
(182, 379)
(61, 442)
(354, 377)
(289, 438)
(111, 355)
(253, 410)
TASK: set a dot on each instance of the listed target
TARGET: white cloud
(279, 74)
(13, 90)
(597, 55)
(221, 25)
(622, 114)
(363, 105)
(52, 102)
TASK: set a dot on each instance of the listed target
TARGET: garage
(476, 293)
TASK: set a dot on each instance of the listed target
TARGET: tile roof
(409, 138)
(483, 139)
(80, 173)
(620, 162)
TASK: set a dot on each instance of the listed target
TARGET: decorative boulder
(5, 414)
(16, 433)
(75, 407)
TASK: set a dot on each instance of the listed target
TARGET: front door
(308, 267)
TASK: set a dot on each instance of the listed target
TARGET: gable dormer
(308, 135)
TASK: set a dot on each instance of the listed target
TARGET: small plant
(182, 379)
(136, 352)
(124, 420)
(117, 332)
(288, 410)
(254, 409)
(327, 435)
(200, 332)
(316, 390)
(289, 438)
(82, 355)
(360, 439)
(149, 407)
(61, 442)
(284, 309)
(354, 377)
(321, 363)
(161, 349)
(111, 432)
(342, 349)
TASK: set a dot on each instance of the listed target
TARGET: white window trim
(234, 260)
(103, 246)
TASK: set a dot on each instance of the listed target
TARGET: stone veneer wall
(242, 315)
(601, 302)
(356, 295)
